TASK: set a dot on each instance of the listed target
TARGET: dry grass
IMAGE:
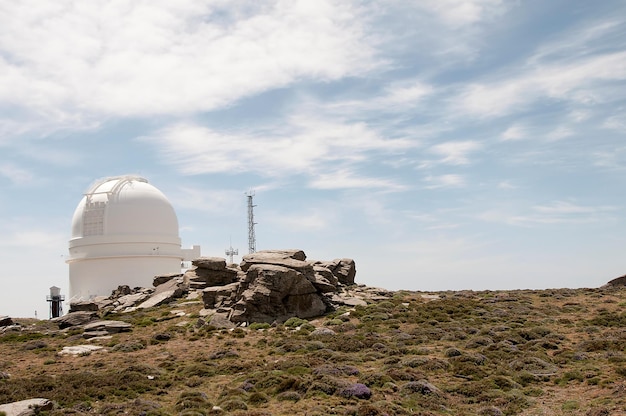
(484, 353)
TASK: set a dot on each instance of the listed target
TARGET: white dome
(124, 232)
(122, 206)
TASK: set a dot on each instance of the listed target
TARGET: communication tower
(251, 223)
(230, 252)
(55, 298)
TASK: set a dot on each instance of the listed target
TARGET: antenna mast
(230, 252)
(251, 236)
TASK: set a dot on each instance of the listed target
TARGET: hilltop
(524, 352)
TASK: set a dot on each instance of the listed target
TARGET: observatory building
(124, 232)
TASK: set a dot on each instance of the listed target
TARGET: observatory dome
(124, 232)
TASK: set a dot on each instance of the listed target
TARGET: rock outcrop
(617, 282)
(268, 286)
(274, 285)
(210, 271)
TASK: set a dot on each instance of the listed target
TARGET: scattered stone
(26, 407)
(75, 319)
(110, 327)
(79, 349)
(95, 334)
(219, 320)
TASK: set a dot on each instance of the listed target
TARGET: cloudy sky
(442, 144)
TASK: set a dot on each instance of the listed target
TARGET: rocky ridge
(268, 286)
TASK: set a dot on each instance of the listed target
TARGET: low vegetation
(482, 353)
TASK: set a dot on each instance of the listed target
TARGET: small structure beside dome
(124, 232)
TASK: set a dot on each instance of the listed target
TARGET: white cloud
(462, 12)
(514, 132)
(559, 133)
(579, 82)
(445, 181)
(146, 58)
(344, 178)
(616, 122)
(556, 212)
(506, 185)
(456, 153)
(301, 146)
(398, 98)
(16, 174)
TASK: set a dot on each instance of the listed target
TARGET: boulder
(200, 278)
(6, 321)
(79, 349)
(26, 407)
(221, 321)
(83, 305)
(121, 291)
(168, 291)
(345, 271)
(128, 301)
(210, 263)
(111, 327)
(293, 259)
(276, 293)
(216, 296)
(74, 319)
(164, 278)
(617, 282)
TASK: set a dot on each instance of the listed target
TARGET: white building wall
(100, 276)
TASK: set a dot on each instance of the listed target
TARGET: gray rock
(121, 291)
(165, 293)
(26, 407)
(74, 319)
(345, 271)
(111, 327)
(277, 293)
(6, 321)
(322, 284)
(220, 320)
(219, 295)
(210, 263)
(326, 273)
(285, 258)
(201, 278)
(83, 305)
(79, 349)
(130, 300)
(164, 278)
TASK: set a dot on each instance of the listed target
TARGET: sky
(441, 144)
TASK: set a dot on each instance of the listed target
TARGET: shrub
(294, 322)
(259, 325)
(358, 390)
(289, 395)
